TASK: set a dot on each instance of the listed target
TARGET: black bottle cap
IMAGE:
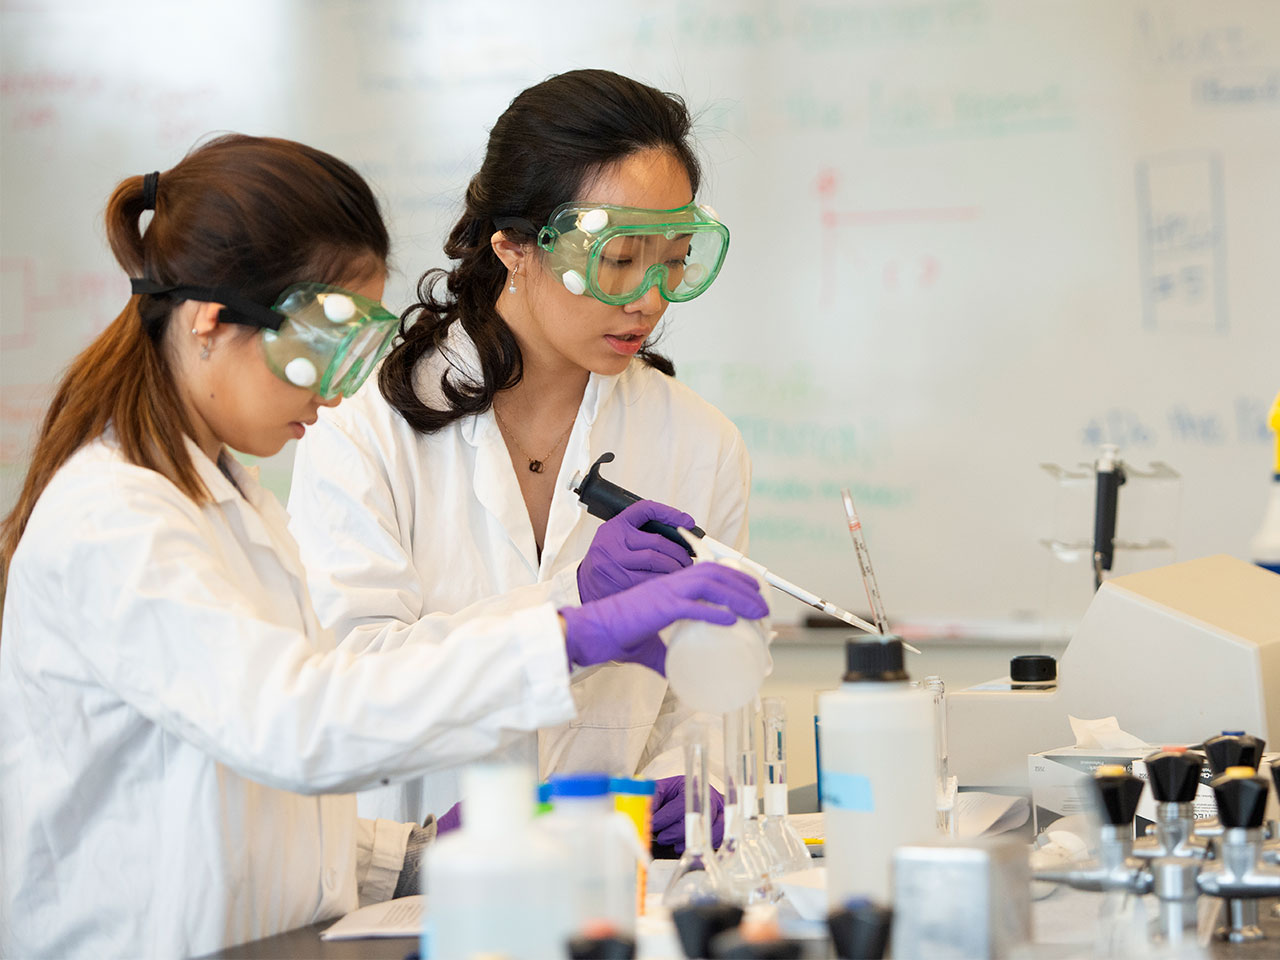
(1233, 750)
(873, 659)
(1033, 668)
(732, 945)
(698, 923)
(602, 948)
(1174, 775)
(860, 930)
(1119, 793)
(1242, 801)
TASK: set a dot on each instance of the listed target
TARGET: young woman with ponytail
(179, 737)
(519, 366)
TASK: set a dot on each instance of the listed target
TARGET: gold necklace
(538, 464)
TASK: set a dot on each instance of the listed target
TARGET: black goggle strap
(516, 223)
(235, 308)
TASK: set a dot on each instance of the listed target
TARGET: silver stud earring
(511, 287)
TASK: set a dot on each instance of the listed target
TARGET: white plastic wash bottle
(878, 763)
(1266, 542)
(497, 886)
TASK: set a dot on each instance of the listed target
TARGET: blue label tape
(847, 791)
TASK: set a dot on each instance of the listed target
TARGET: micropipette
(864, 564)
(605, 499)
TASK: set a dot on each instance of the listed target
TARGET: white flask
(496, 886)
(878, 769)
(717, 669)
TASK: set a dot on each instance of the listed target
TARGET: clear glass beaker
(787, 851)
(743, 871)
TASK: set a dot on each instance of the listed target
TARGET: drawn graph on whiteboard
(1182, 242)
(910, 265)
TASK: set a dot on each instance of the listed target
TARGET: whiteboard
(969, 236)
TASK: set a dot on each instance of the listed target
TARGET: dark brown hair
(248, 213)
(549, 142)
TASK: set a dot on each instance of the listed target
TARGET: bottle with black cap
(878, 755)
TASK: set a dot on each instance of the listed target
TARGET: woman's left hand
(668, 813)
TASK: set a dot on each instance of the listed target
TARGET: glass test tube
(948, 823)
(696, 876)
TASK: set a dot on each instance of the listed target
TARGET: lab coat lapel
(262, 519)
(566, 510)
(497, 489)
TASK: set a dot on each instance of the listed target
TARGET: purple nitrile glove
(625, 626)
(451, 820)
(668, 813)
(622, 555)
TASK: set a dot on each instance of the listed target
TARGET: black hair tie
(150, 184)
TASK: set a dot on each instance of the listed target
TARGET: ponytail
(253, 213)
(123, 379)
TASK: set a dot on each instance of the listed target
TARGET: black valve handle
(1242, 801)
(605, 499)
(1233, 750)
(1119, 793)
(860, 930)
(1174, 775)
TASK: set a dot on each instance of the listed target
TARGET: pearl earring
(511, 287)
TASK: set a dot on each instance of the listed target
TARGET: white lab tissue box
(1059, 779)
(1060, 785)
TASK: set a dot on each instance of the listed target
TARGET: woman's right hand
(625, 626)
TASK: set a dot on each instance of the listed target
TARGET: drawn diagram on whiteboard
(1181, 235)
(910, 268)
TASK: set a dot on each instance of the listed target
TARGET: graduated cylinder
(878, 757)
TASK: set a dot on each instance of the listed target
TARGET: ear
(510, 252)
(204, 318)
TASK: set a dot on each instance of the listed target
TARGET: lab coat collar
(237, 484)
(265, 521)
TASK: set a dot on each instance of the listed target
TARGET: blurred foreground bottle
(497, 885)
(878, 769)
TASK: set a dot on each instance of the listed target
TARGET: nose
(648, 303)
(331, 401)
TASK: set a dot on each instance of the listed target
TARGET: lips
(299, 427)
(628, 343)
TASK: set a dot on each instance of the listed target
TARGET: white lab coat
(394, 526)
(171, 714)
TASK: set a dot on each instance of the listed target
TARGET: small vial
(948, 823)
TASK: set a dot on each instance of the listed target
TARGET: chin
(611, 365)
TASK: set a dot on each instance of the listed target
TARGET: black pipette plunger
(605, 499)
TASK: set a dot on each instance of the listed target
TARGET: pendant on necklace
(535, 466)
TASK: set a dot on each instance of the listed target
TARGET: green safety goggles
(617, 254)
(316, 336)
